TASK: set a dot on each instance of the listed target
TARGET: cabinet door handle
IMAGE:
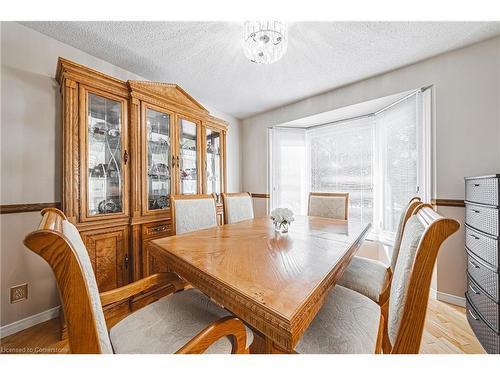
(173, 161)
(473, 290)
(473, 264)
(476, 211)
(125, 157)
(473, 316)
(125, 261)
(476, 185)
(475, 237)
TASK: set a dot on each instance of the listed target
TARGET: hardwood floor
(42, 338)
(446, 332)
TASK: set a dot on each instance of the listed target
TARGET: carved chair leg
(380, 336)
(62, 325)
(386, 344)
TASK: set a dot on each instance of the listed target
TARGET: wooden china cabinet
(126, 147)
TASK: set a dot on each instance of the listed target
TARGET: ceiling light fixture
(265, 42)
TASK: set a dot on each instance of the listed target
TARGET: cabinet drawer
(488, 338)
(485, 219)
(482, 190)
(484, 305)
(483, 276)
(158, 229)
(485, 247)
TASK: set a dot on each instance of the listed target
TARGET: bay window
(381, 159)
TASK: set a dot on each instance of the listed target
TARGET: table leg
(263, 345)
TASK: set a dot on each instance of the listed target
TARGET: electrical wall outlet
(18, 293)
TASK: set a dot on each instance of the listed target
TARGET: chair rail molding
(27, 207)
(260, 195)
(448, 202)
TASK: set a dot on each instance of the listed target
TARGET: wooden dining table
(276, 283)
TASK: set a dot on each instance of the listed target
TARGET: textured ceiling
(207, 60)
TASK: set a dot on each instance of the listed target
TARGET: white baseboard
(448, 298)
(28, 322)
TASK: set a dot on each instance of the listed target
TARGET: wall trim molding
(448, 298)
(28, 322)
(26, 207)
(260, 195)
(31, 207)
(448, 202)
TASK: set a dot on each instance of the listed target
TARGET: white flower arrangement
(282, 218)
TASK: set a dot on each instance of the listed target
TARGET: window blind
(341, 160)
(397, 130)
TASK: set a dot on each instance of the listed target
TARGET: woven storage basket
(483, 218)
(483, 304)
(483, 190)
(488, 338)
(485, 246)
(483, 276)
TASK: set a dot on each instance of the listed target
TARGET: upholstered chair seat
(348, 323)
(370, 277)
(237, 207)
(366, 276)
(168, 324)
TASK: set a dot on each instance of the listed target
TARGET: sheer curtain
(381, 160)
(288, 173)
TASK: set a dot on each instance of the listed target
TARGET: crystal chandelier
(265, 42)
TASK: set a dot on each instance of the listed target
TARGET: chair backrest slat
(330, 205)
(423, 235)
(412, 204)
(237, 207)
(193, 212)
(58, 242)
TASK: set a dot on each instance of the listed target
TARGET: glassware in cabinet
(213, 161)
(158, 159)
(104, 155)
(188, 157)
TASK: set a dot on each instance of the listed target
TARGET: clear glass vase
(281, 227)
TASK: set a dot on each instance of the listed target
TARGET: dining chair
(237, 207)
(330, 205)
(186, 321)
(350, 322)
(193, 212)
(372, 278)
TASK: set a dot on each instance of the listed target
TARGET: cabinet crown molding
(158, 92)
(166, 91)
(67, 69)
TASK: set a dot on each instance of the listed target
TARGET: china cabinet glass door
(187, 161)
(104, 155)
(213, 161)
(158, 160)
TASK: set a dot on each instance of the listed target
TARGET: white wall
(31, 154)
(467, 130)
